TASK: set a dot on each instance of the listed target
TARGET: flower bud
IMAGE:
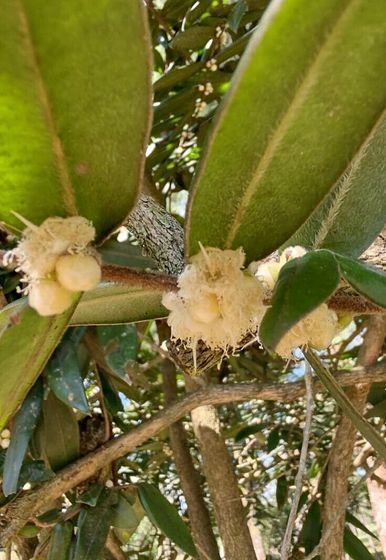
(78, 273)
(48, 297)
(206, 309)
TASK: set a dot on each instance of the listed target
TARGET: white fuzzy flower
(216, 302)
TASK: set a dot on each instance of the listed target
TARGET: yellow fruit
(268, 274)
(78, 273)
(206, 309)
(49, 298)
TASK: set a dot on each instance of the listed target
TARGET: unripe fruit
(4, 443)
(49, 298)
(206, 309)
(78, 273)
(268, 273)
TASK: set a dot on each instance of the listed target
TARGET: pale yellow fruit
(206, 309)
(78, 273)
(48, 297)
(4, 443)
(5, 433)
(268, 274)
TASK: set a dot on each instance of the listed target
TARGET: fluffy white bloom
(56, 259)
(216, 302)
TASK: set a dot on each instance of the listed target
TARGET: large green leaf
(60, 541)
(367, 430)
(303, 284)
(353, 214)
(114, 304)
(300, 107)
(354, 547)
(26, 342)
(93, 527)
(368, 281)
(75, 97)
(120, 346)
(24, 425)
(57, 436)
(64, 374)
(165, 516)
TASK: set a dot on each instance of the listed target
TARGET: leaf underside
(300, 107)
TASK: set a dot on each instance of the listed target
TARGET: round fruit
(48, 297)
(206, 309)
(78, 273)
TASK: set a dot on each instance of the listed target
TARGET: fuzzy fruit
(78, 273)
(48, 297)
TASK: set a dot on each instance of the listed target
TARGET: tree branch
(15, 514)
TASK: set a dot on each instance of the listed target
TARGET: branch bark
(190, 478)
(14, 515)
(340, 462)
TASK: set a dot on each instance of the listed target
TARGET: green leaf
(58, 433)
(75, 108)
(237, 14)
(300, 107)
(114, 304)
(166, 518)
(354, 547)
(124, 517)
(110, 395)
(273, 439)
(303, 284)
(353, 214)
(124, 254)
(377, 411)
(26, 342)
(194, 38)
(312, 527)
(91, 496)
(369, 282)
(248, 431)
(362, 425)
(64, 376)
(281, 491)
(93, 528)
(120, 345)
(24, 425)
(60, 541)
(350, 518)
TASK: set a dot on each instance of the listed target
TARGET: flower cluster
(56, 260)
(5, 438)
(217, 301)
(220, 303)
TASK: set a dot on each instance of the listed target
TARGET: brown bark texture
(340, 461)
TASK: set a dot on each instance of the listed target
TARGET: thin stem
(286, 544)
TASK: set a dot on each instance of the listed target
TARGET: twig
(136, 277)
(286, 544)
(17, 513)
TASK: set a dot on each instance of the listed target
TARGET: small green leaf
(281, 491)
(91, 496)
(124, 254)
(166, 518)
(298, 111)
(354, 547)
(24, 425)
(124, 517)
(237, 14)
(60, 541)
(120, 345)
(350, 518)
(273, 439)
(303, 284)
(312, 527)
(29, 531)
(369, 282)
(64, 376)
(93, 528)
(58, 433)
(110, 395)
(194, 38)
(248, 431)
(34, 471)
(336, 391)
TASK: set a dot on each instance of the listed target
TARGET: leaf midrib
(68, 194)
(300, 96)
